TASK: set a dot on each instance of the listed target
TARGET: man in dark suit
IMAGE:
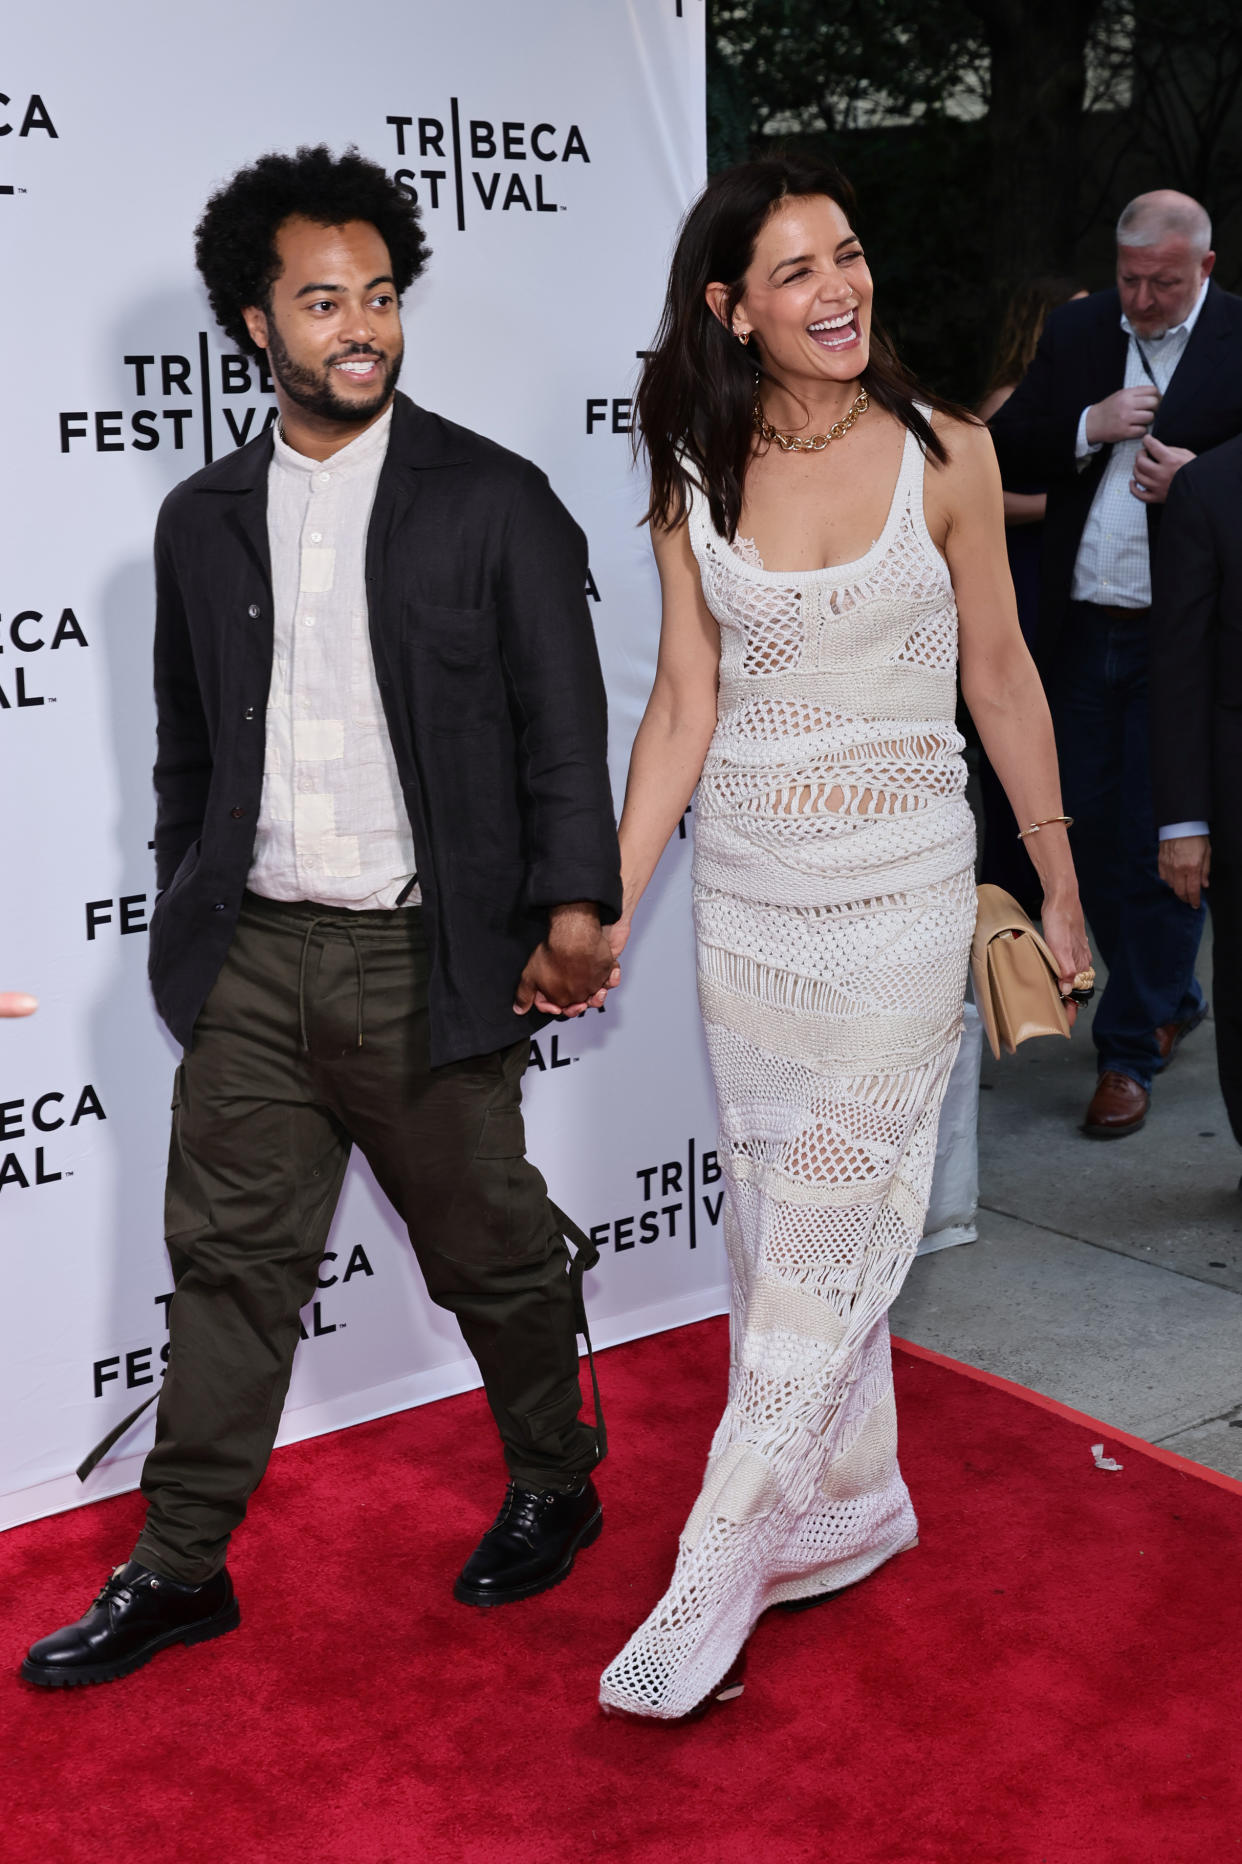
(1126, 388)
(1196, 686)
(386, 844)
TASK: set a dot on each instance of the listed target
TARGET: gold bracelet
(1046, 823)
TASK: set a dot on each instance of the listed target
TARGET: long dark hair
(1023, 322)
(695, 401)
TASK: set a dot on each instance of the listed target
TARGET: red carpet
(1052, 1677)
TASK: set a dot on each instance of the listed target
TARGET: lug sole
(484, 1595)
(50, 1676)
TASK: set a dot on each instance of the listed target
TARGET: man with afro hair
(386, 849)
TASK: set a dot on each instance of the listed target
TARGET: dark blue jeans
(1147, 937)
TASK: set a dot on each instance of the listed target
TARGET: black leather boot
(137, 1614)
(531, 1544)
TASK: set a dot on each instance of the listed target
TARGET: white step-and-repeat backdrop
(553, 145)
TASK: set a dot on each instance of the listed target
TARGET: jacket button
(253, 611)
(218, 907)
(237, 814)
(248, 713)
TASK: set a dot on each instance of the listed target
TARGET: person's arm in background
(1035, 439)
(1020, 507)
(1185, 618)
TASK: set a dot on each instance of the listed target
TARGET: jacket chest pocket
(452, 657)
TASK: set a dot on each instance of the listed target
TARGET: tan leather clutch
(1017, 987)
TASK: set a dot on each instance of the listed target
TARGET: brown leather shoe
(1168, 1035)
(1118, 1106)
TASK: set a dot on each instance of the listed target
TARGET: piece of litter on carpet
(1102, 1461)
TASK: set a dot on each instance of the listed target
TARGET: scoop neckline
(828, 569)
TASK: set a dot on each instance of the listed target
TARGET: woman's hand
(618, 934)
(1066, 936)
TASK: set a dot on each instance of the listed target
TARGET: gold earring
(743, 336)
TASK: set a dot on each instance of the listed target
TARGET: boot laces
(110, 1588)
(522, 1508)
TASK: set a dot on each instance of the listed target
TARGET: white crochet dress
(834, 906)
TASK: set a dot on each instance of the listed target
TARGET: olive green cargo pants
(315, 1038)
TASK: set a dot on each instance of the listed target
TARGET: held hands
(1125, 415)
(1186, 866)
(574, 967)
(1154, 469)
(1066, 936)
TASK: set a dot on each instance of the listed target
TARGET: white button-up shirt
(332, 825)
(1113, 566)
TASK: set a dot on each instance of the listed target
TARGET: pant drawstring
(352, 936)
(302, 985)
(585, 1256)
(353, 939)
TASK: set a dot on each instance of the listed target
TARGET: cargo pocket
(186, 1213)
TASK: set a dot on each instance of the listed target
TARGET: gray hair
(1151, 218)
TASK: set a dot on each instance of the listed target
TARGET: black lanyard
(1147, 368)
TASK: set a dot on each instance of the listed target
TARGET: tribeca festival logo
(28, 1165)
(470, 165)
(201, 405)
(677, 1204)
(140, 1365)
(22, 117)
(23, 634)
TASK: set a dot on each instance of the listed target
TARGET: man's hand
(572, 968)
(17, 1003)
(1154, 469)
(1124, 416)
(1186, 866)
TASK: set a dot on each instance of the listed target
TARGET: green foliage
(840, 77)
(838, 65)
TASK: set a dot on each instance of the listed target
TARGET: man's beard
(315, 394)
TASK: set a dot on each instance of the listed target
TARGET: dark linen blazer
(1082, 358)
(1196, 647)
(488, 671)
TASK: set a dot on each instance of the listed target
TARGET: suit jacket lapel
(419, 443)
(247, 516)
(241, 480)
(395, 493)
(240, 484)
(1192, 377)
(1109, 344)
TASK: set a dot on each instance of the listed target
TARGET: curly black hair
(235, 241)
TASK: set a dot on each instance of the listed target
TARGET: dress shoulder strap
(913, 474)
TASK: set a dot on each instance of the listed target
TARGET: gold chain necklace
(811, 443)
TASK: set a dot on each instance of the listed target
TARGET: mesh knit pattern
(834, 906)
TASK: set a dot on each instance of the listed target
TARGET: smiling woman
(697, 399)
(825, 532)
